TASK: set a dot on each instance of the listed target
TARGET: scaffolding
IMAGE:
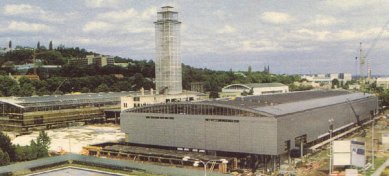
(25, 113)
(168, 71)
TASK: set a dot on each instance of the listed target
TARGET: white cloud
(17, 9)
(276, 17)
(129, 14)
(118, 15)
(35, 12)
(97, 26)
(226, 30)
(102, 3)
(130, 20)
(27, 27)
(260, 45)
(149, 13)
(309, 34)
(220, 14)
(305, 34)
(350, 4)
(325, 20)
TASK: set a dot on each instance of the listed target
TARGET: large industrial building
(25, 113)
(265, 126)
(168, 72)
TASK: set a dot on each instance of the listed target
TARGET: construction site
(22, 114)
(315, 160)
(283, 133)
(256, 132)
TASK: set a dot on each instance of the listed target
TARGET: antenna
(368, 69)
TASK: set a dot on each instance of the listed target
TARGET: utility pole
(331, 127)
(372, 143)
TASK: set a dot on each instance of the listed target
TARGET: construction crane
(359, 122)
(59, 86)
(362, 56)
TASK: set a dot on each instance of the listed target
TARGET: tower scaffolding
(168, 71)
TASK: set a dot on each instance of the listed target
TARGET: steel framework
(168, 72)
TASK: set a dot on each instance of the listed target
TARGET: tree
(42, 144)
(6, 145)
(27, 90)
(5, 85)
(14, 90)
(51, 45)
(85, 90)
(335, 82)
(38, 45)
(10, 44)
(4, 158)
(102, 88)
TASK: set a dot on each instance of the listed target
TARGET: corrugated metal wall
(250, 135)
(314, 122)
(220, 133)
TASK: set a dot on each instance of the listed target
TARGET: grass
(386, 172)
(377, 163)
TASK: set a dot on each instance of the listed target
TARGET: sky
(292, 37)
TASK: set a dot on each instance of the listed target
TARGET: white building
(143, 98)
(383, 82)
(256, 89)
(349, 153)
(99, 60)
(327, 78)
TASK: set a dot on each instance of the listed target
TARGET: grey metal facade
(263, 133)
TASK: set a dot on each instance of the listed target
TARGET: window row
(156, 117)
(222, 120)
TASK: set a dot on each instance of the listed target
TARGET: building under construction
(258, 130)
(24, 113)
(168, 78)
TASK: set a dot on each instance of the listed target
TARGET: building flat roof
(285, 103)
(281, 98)
(293, 107)
(65, 99)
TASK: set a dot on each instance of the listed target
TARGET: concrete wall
(242, 134)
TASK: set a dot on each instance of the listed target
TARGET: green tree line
(13, 153)
(92, 78)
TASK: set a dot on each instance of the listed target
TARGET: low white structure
(348, 152)
(255, 89)
(327, 78)
(142, 99)
(383, 82)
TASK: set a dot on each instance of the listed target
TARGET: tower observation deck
(168, 71)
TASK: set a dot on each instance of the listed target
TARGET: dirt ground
(74, 138)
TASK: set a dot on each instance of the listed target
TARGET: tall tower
(168, 71)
